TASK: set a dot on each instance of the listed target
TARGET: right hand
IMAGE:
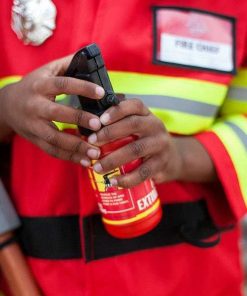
(28, 107)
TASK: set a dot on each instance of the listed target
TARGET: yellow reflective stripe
(61, 98)
(62, 126)
(239, 125)
(233, 106)
(241, 78)
(182, 123)
(237, 152)
(236, 99)
(177, 104)
(175, 121)
(65, 100)
(171, 119)
(8, 80)
(136, 218)
(195, 101)
(186, 88)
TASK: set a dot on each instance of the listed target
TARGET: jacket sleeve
(226, 143)
(8, 217)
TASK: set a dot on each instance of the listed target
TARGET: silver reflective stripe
(162, 102)
(177, 104)
(239, 132)
(238, 93)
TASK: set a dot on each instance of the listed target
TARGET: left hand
(156, 147)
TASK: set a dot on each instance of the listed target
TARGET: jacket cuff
(230, 200)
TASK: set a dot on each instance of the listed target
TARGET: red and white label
(116, 203)
(197, 39)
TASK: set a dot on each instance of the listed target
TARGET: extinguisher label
(147, 201)
(103, 181)
(116, 203)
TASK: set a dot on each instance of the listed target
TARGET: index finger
(125, 108)
(56, 112)
(57, 67)
(53, 86)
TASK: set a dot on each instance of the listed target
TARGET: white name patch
(196, 52)
(194, 39)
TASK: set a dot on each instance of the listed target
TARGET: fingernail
(93, 153)
(105, 118)
(97, 167)
(99, 91)
(92, 139)
(113, 182)
(94, 123)
(85, 162)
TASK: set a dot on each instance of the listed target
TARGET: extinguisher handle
(88, 64)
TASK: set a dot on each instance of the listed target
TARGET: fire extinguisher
(126, 213)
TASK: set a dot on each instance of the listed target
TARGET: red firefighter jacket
(186, 61)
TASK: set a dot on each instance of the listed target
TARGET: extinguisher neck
(112, 146)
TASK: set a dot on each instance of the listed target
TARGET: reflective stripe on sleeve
(186, 106)
(234, 106)
(236, 99)
(240, 80)
(241, 134)
(238, 93)
(234, 130)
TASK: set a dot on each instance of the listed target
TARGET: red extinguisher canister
(126, 213)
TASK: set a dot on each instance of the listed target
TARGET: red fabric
(226, 173)
(131, 36)
(179, 270)
(44, 186)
